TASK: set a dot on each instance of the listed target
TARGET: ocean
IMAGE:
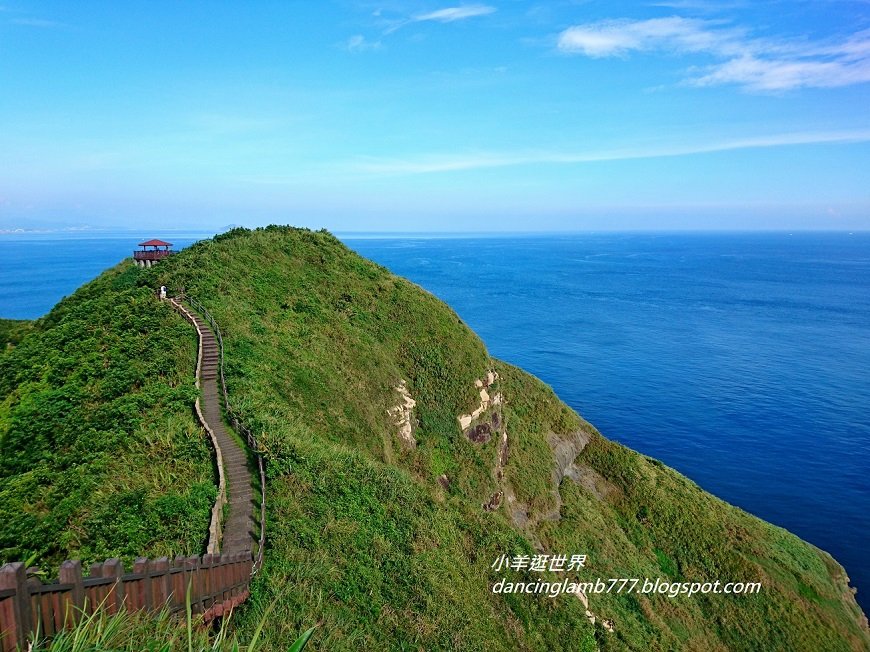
(741, 360)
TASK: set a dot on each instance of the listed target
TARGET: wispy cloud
(445, 15)
(36, 22)
(452, 14)
(483, 160)
(783, 74)
(619, 37)
(756, 64)
(359, 43)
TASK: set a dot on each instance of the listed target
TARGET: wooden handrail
(215, 530)
(237, 423)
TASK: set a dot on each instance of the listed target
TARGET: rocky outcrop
(565, 449)
(479, 434)
(486, 401)
(403, 415)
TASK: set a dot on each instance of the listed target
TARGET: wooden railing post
(37, 616)
(191, 581)
(14, 576)
(97, 594)
(74, 601)
(220, 579)
(240, 571)
(146, 594)
(113, 568)
(161, 584)
(210, 585)
(179, 584)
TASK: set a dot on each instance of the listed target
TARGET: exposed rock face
(518, 512)
(565, 449)
(403, 415)
(502, 456)
(486, 401)
(494, 502)
(590, 480)
(480, 434)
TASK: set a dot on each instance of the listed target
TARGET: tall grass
(137, 631)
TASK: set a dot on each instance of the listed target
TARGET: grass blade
(302, 641)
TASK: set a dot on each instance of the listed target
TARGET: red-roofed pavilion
(153, 251)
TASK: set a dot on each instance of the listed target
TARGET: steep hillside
(403, 462)
(100, 454)
(11, 332)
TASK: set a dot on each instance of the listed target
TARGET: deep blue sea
(742, 360)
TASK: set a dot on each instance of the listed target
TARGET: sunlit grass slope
(100, 454)
(390, 546)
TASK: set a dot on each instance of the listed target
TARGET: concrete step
(238, 535)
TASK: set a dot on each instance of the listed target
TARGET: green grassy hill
(386, 508)
(100, 454)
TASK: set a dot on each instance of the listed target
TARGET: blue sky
(428, 115)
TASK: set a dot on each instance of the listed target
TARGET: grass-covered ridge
(100, 454)
(366, 538)
(389, 546)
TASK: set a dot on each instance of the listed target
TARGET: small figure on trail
(162, 291)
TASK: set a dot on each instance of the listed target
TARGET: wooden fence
(217, 584)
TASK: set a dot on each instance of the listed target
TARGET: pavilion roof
(155, 243)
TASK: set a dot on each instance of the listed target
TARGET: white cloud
(359, 43)
(754, 63)
(483, 160)
(619, 37)
(446, 15)
(452, 14)
(777, 75)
